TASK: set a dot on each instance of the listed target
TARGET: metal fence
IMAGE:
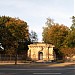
(11, 58)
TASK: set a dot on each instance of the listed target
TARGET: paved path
(43, 64)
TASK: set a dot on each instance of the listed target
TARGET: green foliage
(12, 31)
(70, 39)
(55, 34)
(33, 37)
(61, 36)
(73, 23)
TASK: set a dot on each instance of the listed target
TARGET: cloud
(35, 12)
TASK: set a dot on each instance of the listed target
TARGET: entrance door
(40, 56)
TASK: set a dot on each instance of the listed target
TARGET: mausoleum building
(41, 51)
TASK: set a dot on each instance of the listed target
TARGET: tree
(49, 22)
(68, 52)
(70, 39)
(73, 23)
(68, 49)
(12, 31)
(55, 34)
(33, 37)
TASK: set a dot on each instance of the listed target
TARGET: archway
(40, 55)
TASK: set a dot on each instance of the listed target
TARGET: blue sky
(35, 12)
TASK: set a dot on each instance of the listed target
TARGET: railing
(11, 58)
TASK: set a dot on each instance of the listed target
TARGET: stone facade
(41, 51)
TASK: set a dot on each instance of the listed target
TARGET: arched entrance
(40, 55)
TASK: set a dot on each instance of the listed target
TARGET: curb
(40, 64)
(61, 64)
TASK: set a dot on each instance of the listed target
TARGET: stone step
(40, 61)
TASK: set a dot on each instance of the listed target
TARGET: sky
(36, 12)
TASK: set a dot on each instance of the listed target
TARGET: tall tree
(49, 22)
(12, 31)
(70, 39)
(33, 36)
(55, 34)
(73, 23)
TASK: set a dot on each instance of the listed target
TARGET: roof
(40, 44)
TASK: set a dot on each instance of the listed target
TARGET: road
(36, 70)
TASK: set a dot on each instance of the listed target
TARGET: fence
(11, 58)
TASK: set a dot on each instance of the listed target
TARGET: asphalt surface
(36, 69)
